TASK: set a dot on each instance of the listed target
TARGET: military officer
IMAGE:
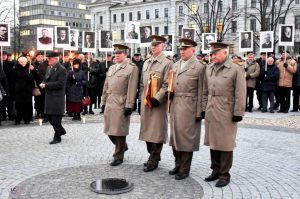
(154, 121)
(118, 99)
(185, 114)
(224, 97)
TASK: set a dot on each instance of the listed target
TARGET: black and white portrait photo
(188, 33)
(206, 39)
(74, 39)
(106, 40)
(286, 35)
(132, 33)
(168, 43)
(145, 32)
(4, 34)
(89, 41)
(45, 38)
(266, 41)
(62, 35)
(246, 41)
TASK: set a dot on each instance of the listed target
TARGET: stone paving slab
(266, 162)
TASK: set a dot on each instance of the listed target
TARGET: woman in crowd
(76, 81)
(23, 85)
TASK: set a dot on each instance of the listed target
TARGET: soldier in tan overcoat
(252, 70)
(154, 121)
(118, 99)
(185, 114)
(224, 97)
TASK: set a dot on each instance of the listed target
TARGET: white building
(169, 16)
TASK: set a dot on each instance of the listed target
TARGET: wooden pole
(105, 59)
(1, 58)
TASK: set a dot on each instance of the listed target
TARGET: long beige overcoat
(154, 121)
(224, 95)
(119, 92)
(186, 105)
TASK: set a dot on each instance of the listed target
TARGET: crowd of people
(214, 87)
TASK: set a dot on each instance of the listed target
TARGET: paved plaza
(266, 162)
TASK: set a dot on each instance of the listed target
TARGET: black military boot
(56, 139)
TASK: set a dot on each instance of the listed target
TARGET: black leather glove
(203, 114)
(139, 108)
(171, 95)
(198, 119)
(127, 111)
(248, 77)
(237, 118)
(103, 108)
(154, 102)
(285, 65)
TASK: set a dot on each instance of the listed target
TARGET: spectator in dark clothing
(296, 88)
(4, 91)
(23, 85)
(269, 79)
(39, 71)
(74, 90)
(102, 76)
(262, 63)
(139, 63)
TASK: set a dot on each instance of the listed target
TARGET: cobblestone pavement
(266, 160)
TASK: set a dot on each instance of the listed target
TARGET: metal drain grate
(111, 186)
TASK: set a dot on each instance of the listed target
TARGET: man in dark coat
(139, 63)
(54, 85)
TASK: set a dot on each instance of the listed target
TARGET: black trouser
(221, 163)
(284, 94)
(268, 95)
(23, 111)
(55, 121)
(259, 97)
(249, 99)
(183, 160)
(296, 93)
(39, 103)
(120, 146)
(154, 149)
(276, 105)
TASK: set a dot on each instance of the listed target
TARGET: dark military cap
(137, 54)
(216, 46)
(39, 53)
(52, 54)
(250, 52)
(76, 61)
(120, 48)
(155, 39)
(263, 53)
(186, 43)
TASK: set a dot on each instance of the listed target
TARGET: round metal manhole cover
(111, 186)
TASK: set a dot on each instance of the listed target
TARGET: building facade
(170, 16)
(50, 13)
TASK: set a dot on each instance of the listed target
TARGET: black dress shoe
(174, 171)
(145, 164)
(222, 183)
(150, 167)
(116, 162)
(55, 141)
(211, 177)
(181, 176)
(91, 112)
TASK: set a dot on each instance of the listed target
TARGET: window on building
(101, 19)
(122, 35)
(156, 13)
(253, 3)
(67, 14)
(180, 29)
(205, 7)
(59, 13)
(156, 30)
(122, 17)
(283, 2)
(281, 20)
(268, 24)
(147, 14)
(220, 7)
(52, 12)
(180, 10)
(166, 30)
(130, 16)
(234, 4)
(166, 12)
(139, 15)
(253, 24)
(297, 22)
(297, 2)
(115, 18)
(233, 26)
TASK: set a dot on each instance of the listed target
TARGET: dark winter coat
(76, 81)
(269, 79)
(8, 70)
(55, 84)
(23, 83)
(102, 74)
(296, 76)
(3, 83)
